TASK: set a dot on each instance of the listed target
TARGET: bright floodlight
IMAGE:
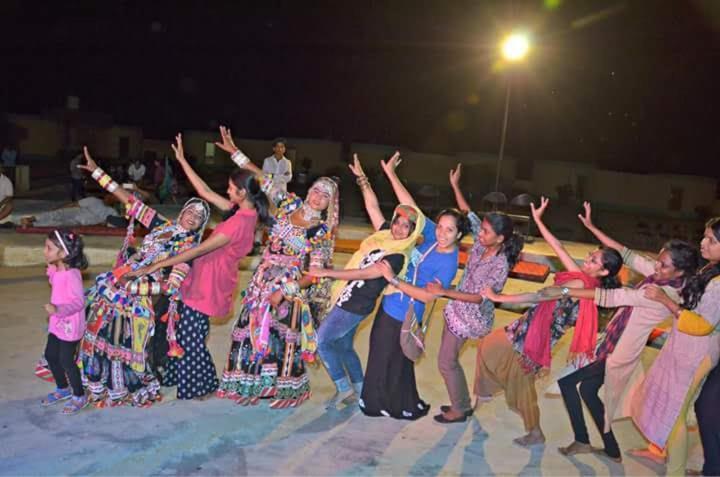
(515, 47)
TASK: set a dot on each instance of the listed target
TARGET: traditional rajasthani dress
(509, 359)
(121, 318)
(270, 344)
(659, 408)
(390, 388)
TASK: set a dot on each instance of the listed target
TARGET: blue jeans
(335, 345)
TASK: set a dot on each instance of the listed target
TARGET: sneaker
(75, 405)
(56, 396)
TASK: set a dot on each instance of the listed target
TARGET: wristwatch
(564, 291)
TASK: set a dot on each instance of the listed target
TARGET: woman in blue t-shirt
(389, 388)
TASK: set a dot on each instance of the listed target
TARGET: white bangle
(112, 187)
(239, 158)
(97, 173)
(394, 281)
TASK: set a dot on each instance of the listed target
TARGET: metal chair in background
(497, 200)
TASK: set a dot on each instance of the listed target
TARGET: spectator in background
(77, 190)
(159, 171)
(278, 165)
(136, 171)
(8, 157)
(6, 197)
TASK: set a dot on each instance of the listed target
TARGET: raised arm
(563, 255)
(102, 178)
(455, 184)
(201, 187)
(372, 206)
(401, 192)
(228, 145)
(604, 239)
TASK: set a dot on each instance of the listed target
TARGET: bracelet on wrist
(394, 281)
(239, 158)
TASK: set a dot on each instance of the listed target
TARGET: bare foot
(532, 438)
(338, 398)
(576, 448)
(647, 454)
(693, 472)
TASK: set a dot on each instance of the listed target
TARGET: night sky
(631, 85)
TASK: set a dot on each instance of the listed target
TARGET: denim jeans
(335, 345)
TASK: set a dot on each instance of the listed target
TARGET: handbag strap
(411, 305)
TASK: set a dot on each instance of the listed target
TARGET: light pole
(514, 48)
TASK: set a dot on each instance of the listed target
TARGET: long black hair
(612, 262)
(461, 221)
(695, 287)
(246, 181)
(513, 244)
(684, 257)
(73, 243)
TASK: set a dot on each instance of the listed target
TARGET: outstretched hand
(317, 272)
(537, 212)
(140, 272)
(178, 148)
(586, 218)
(356, 167)
(435, 288)
(455, 176)
(227, 144)
(386, 270)
(489, 294)
(391, 164)
(655, 293)
(90, 164)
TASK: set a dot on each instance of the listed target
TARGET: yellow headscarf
(383, 240)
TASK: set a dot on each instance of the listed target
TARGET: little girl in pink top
(66, 311)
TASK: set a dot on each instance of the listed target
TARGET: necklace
(309, 214)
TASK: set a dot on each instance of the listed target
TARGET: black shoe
(441, 419)
(447, 408)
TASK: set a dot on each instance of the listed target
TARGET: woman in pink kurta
(208, 288)
(660, 407)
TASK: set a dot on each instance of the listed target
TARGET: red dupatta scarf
(538, 338)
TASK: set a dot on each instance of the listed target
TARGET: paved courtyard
(217, 437)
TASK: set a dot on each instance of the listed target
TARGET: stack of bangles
(105, 181)
(363, 182)
(239, 158)
(290, 289)
(144, 288)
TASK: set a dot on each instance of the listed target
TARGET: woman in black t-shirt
(355, 293)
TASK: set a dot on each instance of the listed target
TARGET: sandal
(443, 420)
(446, 408)
(56, 396)
(75, 405)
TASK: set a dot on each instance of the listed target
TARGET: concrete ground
(217, 437)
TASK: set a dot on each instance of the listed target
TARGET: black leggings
(60, 356)
(591, 377)
(707, 410)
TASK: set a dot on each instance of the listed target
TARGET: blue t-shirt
(442, 266)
